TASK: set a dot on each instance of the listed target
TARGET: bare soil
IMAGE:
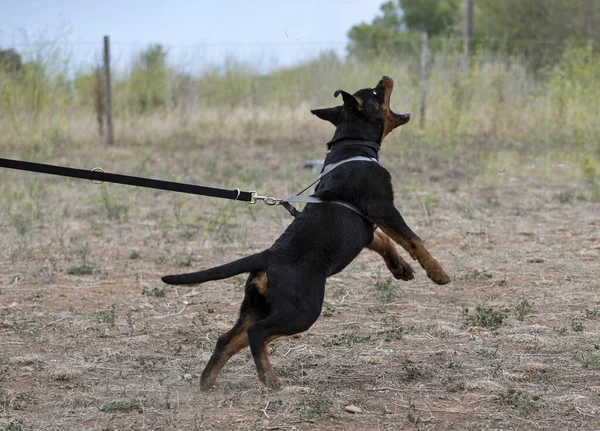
(90, 339)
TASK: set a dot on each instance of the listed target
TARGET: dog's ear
(350, 102)
(333, 115)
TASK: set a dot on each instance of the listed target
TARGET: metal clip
(269, 200)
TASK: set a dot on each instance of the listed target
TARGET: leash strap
(101, 176)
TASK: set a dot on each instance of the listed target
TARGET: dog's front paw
(403, 272)
(438, 275)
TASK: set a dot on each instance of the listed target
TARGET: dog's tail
(255, 262)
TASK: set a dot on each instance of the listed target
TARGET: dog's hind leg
(253, 308)
(228, 345)
(278, 324)
(385, 247)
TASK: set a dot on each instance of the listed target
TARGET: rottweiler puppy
(285, 289)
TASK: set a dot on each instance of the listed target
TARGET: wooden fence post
(109, 122)
(424, 59)
(468, 35)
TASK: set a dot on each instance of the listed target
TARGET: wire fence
(262, 57)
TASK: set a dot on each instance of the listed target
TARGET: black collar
(372, 148)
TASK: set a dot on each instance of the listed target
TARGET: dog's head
(365, 114)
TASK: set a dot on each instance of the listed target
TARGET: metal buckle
(269, 200)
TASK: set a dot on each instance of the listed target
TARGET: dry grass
(112, 348)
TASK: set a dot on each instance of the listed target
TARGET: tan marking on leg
(385, 247)
(417, 251)
(259, 279)
(238, 342)
(266, 374)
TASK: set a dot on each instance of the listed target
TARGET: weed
(591, 359)
(81, 270)
(105, 316)
(487, 353)
(592, 314)
(114, 210)
(411, 371)
(135, 254)
(328, 309)
(23, 328)
(122, 406)
(19, 401)
(590, 168)
(347, 339)
(376, 310)
(484, 317)
(86, 268)
(577, 326)
(24, 206)
(158, 292)
(561, 330)
(185, 260)
(385, 289)
(315, 406)
(518, 400)
(13, 425)
(477, 275)
(160, 260)
(395, 333)
(4, 400)
(429, 204)
(522, 308)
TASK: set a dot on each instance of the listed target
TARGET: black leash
(98, 174)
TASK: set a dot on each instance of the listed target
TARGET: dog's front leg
(386, 248)
(391, 223)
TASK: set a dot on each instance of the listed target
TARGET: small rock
(353, 409)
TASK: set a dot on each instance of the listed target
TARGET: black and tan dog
(284, 292)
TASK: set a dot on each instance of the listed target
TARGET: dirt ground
(90, 339)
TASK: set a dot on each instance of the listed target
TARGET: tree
(148, 79)
(382, 35)
(538, 30)
(10, 61)
(432, 16)
(391, 31)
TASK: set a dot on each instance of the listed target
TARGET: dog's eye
(375, 92)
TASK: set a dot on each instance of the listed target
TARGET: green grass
(13, 425)
(346, 339)
(485, 317)
(519, 400)
(385, 289)
(122, 406)
(158, 292)
(591, 359)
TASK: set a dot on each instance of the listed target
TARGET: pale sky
(197, 33)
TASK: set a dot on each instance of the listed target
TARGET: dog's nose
(385, 78)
